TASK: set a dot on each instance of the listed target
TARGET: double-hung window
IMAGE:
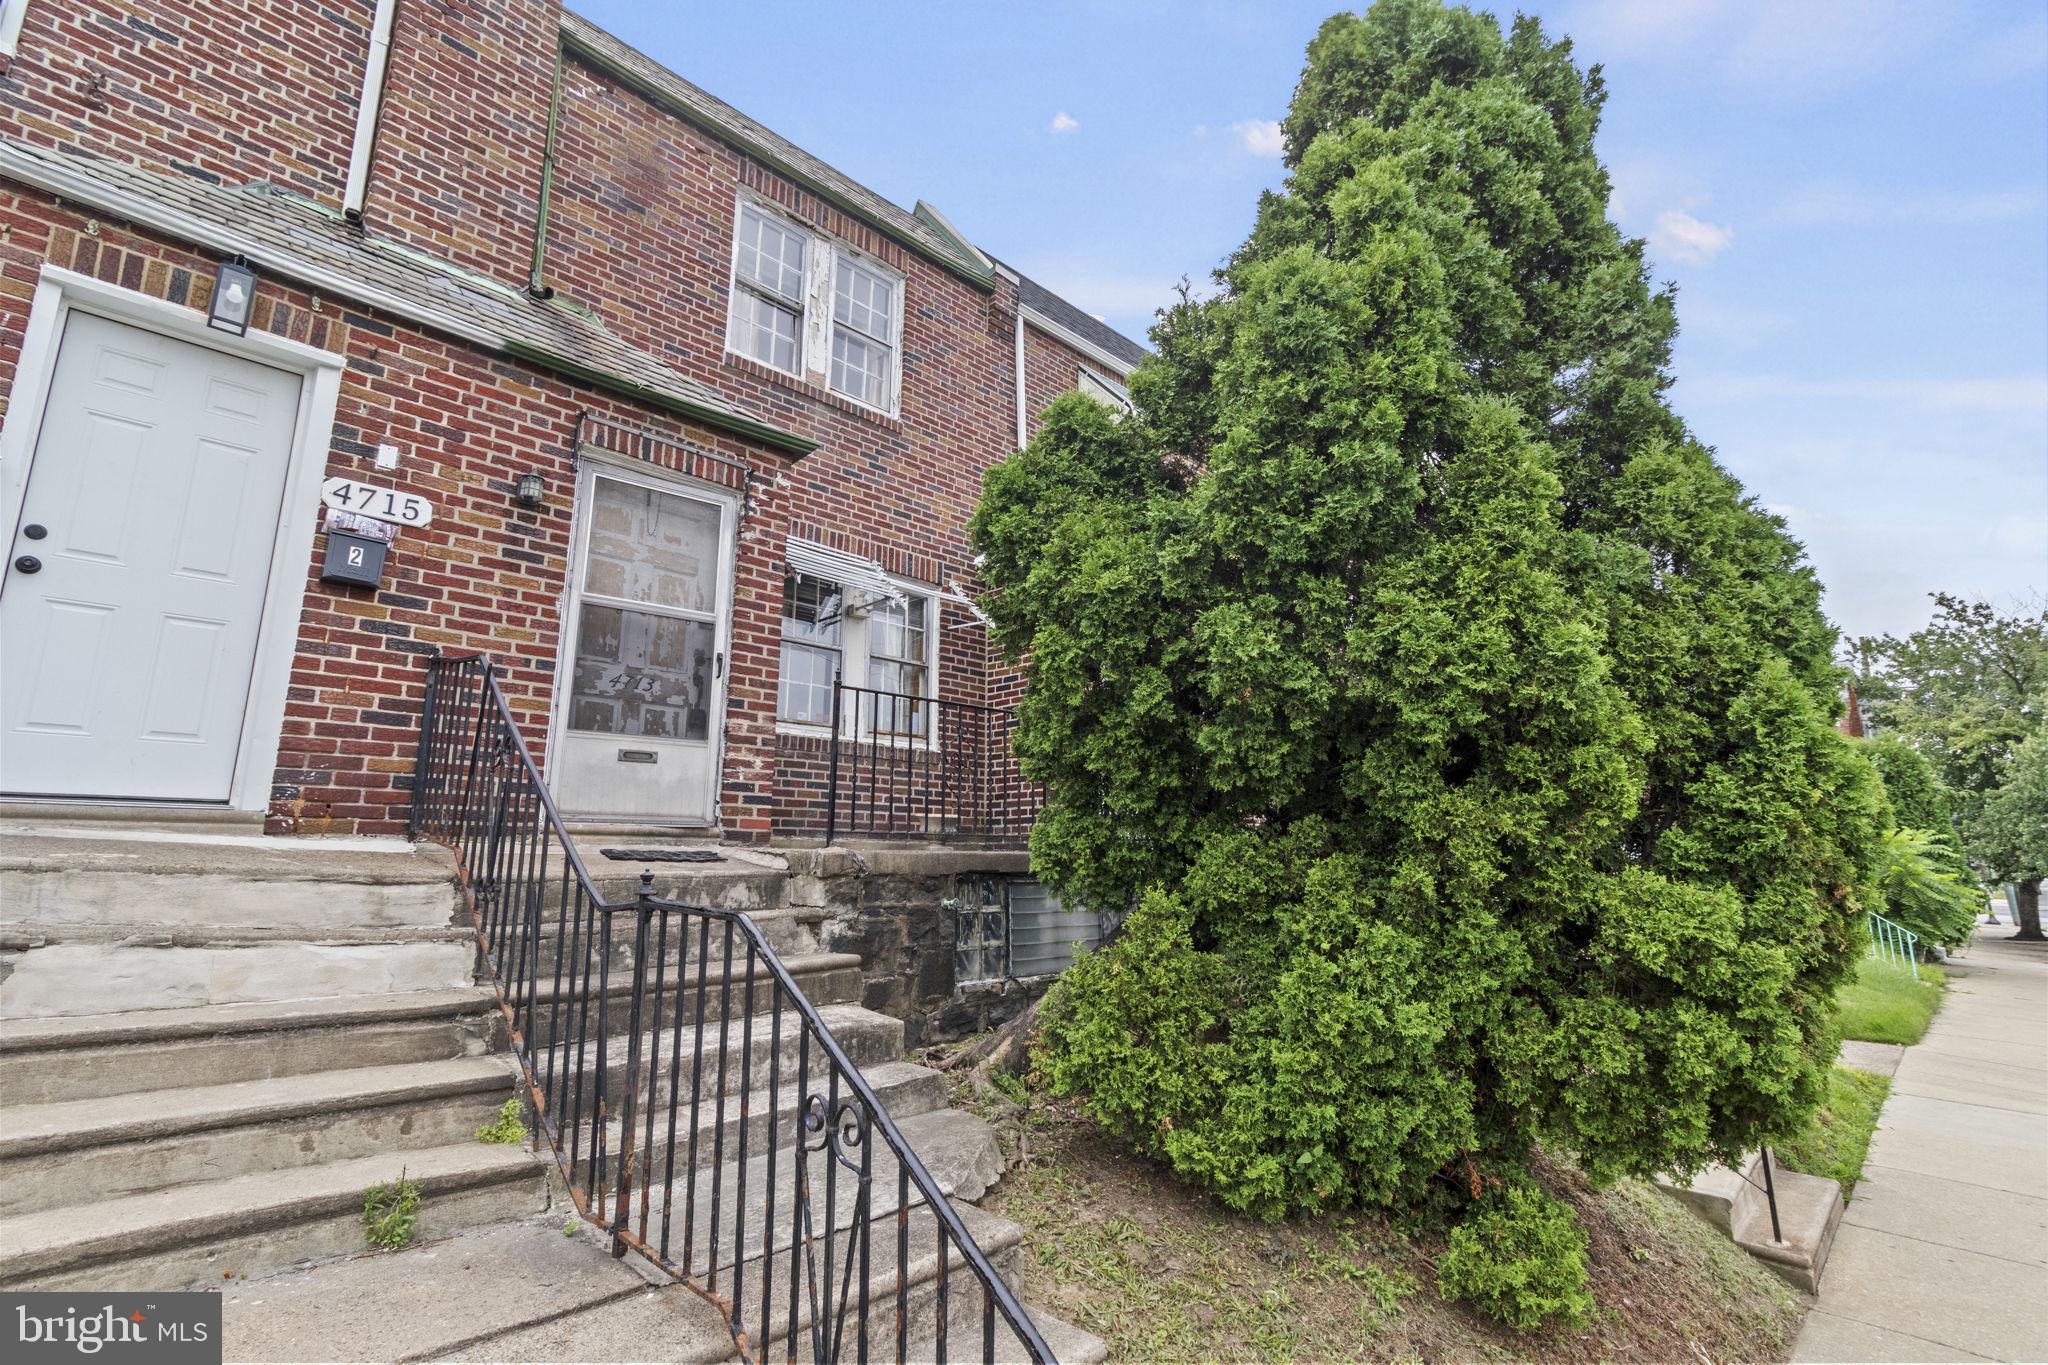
(810, 307)
(863, 332)
(768, 291)
(812, 615)
(872, 641)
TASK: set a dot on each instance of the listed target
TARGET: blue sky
(1852, 198)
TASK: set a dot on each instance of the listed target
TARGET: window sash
(866, 313)
(771, 257)
(860, 369)
(804, 688)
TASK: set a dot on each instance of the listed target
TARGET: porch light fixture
(530, 489)
(234, 298)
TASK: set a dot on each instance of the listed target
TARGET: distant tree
(1919, 800)
(2012, 830)
(1923, 892)
(1965, 692)
(1921, 806)
(1459, 731)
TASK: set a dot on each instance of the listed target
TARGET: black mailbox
(352, 559)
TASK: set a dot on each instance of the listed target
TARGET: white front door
(138, 567)
(642, 714)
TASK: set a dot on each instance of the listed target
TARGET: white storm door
(642, 718)
(151, 511)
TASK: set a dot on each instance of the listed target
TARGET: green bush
(1921, 892)
(1459, 735)
(1519, 1256)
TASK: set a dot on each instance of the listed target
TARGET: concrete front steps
(107, 917)
(213, 1043)
(1809, 1210)
(547, 1290)
(167, 1149)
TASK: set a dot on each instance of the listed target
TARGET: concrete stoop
(1809, 1210)
(213, 1043)
(101, 919)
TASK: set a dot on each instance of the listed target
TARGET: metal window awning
(861, 577)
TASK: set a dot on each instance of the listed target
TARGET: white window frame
(817, 322)
(10, 25)
(853, 665)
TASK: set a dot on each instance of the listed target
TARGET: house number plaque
(383, 504)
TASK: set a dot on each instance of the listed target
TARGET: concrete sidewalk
(1943, 1252)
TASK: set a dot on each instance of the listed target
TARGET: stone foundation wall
(889, 906)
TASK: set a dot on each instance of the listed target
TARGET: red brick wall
(485, 575)
(642, 228)
(227, 90)
(1051, 368)
(642, 220)
(463, 129)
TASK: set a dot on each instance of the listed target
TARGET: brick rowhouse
(177, 126)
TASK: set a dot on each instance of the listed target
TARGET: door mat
(662, 855)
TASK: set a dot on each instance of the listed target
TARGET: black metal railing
(700, 1110)
(905, 766)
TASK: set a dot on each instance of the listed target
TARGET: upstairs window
(768, 291)
(863, 333)
(783, 276)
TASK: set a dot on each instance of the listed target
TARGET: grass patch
(391, 1213)
(1882, 1004)
(1837, 1137)
(508, 1127)
(1163, 1273)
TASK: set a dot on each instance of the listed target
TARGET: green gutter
(965, 269)
(681, 407)
(534, 284)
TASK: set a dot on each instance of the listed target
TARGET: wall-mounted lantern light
(234, 298)
(530, 489)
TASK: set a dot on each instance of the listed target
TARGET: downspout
(534, 284)
(1021, 442)
(367, 111)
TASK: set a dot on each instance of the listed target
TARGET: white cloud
(1842, 204)
(1796, 49)
(1261, 137)
(1678, 236)
(2014, 395)
(1064, 122)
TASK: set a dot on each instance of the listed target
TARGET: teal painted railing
(1894, 944)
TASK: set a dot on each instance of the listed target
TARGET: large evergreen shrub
(1459, 732)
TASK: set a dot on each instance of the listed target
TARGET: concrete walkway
(1943, 1252)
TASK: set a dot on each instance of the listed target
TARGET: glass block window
(812, 615)
(980, 933)
(1044, 934)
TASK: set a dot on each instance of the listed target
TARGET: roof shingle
(289, 235)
